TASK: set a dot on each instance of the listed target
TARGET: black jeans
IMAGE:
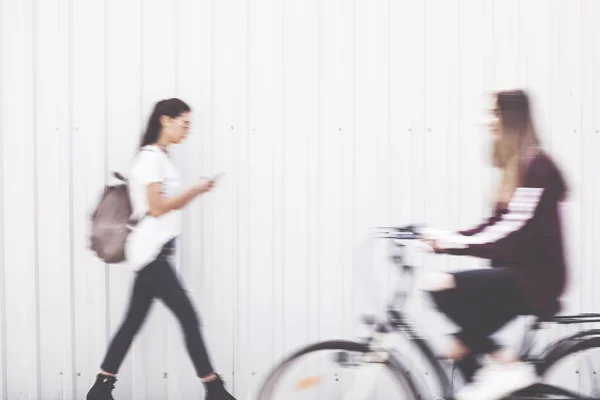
(482, 302)
(158, 280)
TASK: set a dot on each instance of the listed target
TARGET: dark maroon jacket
(526, 236)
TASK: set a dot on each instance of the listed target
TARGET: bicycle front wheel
(338, 370)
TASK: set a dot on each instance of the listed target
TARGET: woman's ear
(164, 120)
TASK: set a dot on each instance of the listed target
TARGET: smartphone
(219, 176)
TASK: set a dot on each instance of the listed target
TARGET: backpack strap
(133, 222)
(120, 177)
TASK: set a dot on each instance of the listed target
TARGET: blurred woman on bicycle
(523, 240)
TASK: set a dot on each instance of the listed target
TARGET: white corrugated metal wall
(329, 117)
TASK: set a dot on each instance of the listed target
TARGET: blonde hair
(519, 142)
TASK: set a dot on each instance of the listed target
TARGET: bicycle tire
(568, 346)
(393, 364)
(578, 343)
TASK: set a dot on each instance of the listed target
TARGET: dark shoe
(102, 389)
(215, 390)
(468, 366)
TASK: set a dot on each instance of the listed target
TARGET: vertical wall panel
(418, 97)
(473, 148)
(587, 154)
(553, 64)
(125, 120)
(87, 121)
(588, 363)
(404, 83)
(371, 117)
(402, 37)
(3, 383)
(335, 164)
(488, 50)
(264, 121)
(439, 133)
(506, 43)
(371, 139)
(347, 24)
(534, 51)
(219, 328)
(300, 80)
(194, 85)
(567, 149)
(595, 212)
(453, 106)
(311, 20)
(241, 239)
(19, 128)
(53, 181)
(281, 257)
(63, 97)
(567, 136)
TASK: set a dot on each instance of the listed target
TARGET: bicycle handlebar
(409, 232)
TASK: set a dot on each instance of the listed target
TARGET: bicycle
(365, 359)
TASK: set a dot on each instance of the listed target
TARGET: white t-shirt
(146, 240)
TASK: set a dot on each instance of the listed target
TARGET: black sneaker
(102, 389)
(215, 390)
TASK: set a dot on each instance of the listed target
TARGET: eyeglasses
(185, 124)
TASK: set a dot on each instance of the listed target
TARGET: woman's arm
(477, 229)
(159, 205)
(503, 239)
(148, 170)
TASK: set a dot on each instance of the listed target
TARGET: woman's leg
(492, 298)
(480, 302)
(177, 300)
(170, 290)
(139, 306)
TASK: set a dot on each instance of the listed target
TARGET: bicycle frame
(396, 322)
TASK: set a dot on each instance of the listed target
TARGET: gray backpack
(112, 223)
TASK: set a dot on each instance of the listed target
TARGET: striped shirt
(524, 235)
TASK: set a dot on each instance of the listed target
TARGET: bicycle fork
(372, 365)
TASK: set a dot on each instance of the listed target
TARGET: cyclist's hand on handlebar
(433, 244)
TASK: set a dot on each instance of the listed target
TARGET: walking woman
(157, 197)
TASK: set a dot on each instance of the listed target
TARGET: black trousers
(158, 280)
(482, 302)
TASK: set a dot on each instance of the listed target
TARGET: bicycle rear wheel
(570, 370)
(338, 370)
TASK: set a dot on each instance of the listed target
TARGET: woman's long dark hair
(171, 107)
